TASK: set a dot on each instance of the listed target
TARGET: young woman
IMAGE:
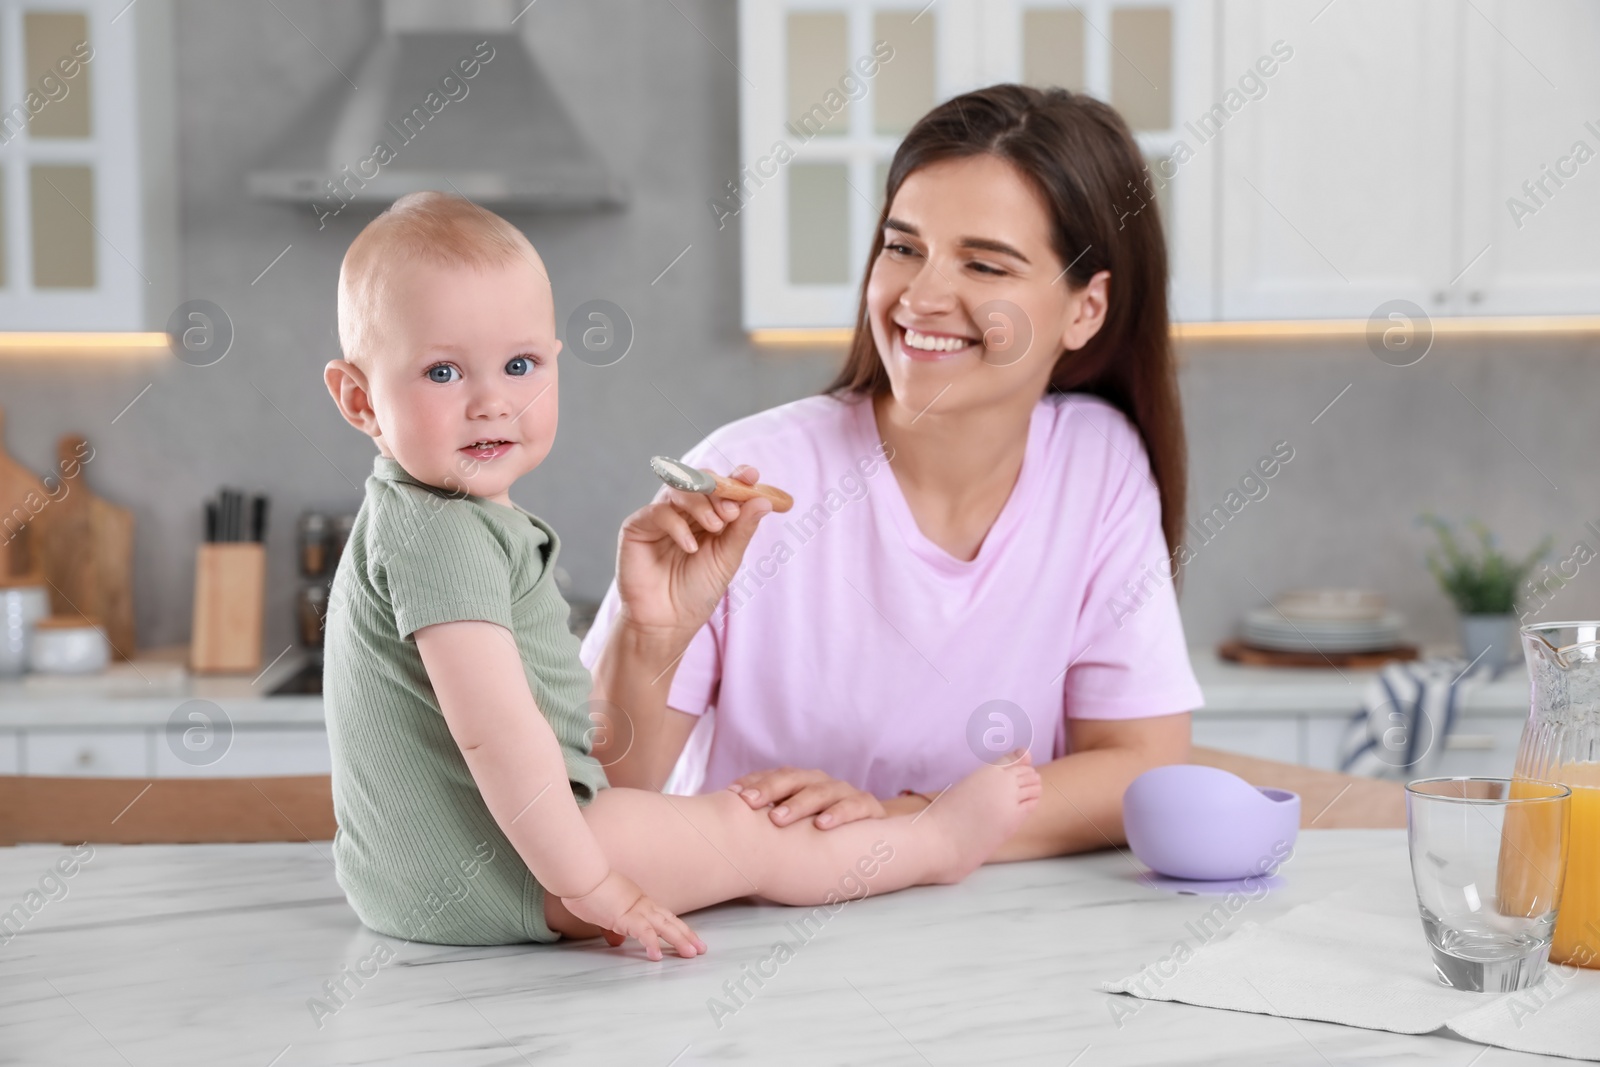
(989, 500)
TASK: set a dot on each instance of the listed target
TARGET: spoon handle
(735, 490)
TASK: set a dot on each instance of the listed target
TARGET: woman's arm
(675, 558)
(1080, 808)
(632, 678)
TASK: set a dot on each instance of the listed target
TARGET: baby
(470, 807)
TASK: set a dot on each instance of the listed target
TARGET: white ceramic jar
(68, 644)
(23, 602)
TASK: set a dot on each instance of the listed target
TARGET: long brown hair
(1081, 158)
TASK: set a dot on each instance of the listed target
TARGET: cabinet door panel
(87, 753)
(1337, 185)
(1531, 179)
(1275, 739)
(250, 753)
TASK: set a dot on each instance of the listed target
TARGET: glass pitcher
(1561, 743)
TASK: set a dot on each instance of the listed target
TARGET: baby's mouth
(488, 448)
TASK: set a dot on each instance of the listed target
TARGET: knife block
(229, 596)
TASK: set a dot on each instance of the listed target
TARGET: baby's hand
(621, 907)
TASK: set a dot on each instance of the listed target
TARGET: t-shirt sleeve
(1130, 659)
(439, 561)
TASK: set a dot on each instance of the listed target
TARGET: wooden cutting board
(84, 548)
(1238, 652)
(22, 496)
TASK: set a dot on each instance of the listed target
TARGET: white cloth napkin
(1359, 958)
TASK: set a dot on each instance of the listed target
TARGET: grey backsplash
(662, 108)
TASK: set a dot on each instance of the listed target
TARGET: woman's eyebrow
(982, 244)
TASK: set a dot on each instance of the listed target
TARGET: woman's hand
(677, 554)
(801, 794)
(620, 906)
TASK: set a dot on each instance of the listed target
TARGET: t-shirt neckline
(390, 470)
(892, 500)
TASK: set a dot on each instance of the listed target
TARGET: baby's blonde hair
(431, 228)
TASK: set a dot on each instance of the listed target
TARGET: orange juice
(1531, 840)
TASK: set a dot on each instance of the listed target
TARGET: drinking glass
(1488, 856)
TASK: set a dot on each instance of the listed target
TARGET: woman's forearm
(1080, 806)
(632, 678)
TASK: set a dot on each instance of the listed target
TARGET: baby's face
(463, 382)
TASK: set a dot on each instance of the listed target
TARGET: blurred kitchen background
(1323, 168)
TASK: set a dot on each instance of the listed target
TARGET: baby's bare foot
(978, 813)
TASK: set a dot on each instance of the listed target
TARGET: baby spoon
(693, 480)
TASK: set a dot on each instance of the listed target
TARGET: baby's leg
(688, 853)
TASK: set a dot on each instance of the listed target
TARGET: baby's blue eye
(443, 373)
(519, 366)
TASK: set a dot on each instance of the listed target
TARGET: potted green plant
(1483, 584)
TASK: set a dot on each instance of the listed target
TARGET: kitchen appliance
(1561, 743)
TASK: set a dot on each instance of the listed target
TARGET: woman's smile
(924, 345)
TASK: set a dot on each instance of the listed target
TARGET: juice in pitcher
(1561, 743)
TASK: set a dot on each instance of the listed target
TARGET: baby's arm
(515, 759)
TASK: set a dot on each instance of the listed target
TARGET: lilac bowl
(1203, 824)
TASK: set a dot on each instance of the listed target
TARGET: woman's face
(968, 301)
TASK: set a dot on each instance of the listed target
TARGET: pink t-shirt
(851, 643)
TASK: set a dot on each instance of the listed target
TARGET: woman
(988, 504)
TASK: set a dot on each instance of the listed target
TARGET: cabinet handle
(1476, 296)
(1439, 297)
(85, 756)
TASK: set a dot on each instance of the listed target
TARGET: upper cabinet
(87, 190)
(1310, 159)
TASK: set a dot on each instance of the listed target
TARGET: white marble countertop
(212, 954)
(1234, 689)
(145, 690)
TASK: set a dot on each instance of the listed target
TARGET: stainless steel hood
(414, 119)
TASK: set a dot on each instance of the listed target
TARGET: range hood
(413, 119)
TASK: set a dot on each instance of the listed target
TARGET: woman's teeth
(927, 342)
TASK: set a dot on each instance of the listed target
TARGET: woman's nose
(930, 292)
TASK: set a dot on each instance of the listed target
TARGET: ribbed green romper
(416, 851)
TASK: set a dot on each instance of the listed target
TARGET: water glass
(1488, 856)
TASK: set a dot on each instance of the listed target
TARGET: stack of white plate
(1323, 620)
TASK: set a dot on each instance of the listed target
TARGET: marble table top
(233, 954)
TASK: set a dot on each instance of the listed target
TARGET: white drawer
(1482, 746)
(251, 753)
(1267, 738)
(87, 753)
(10, 754)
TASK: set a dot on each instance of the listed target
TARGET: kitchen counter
(218, 954)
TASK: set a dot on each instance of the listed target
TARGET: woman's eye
(984, 268)
(899, 249)
(519, 366)
(443, 373)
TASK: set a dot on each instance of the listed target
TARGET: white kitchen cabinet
(87, 753)
(1531, 168)
(1337, 188)
(256, 752)
(10, 757)
(1254, 735)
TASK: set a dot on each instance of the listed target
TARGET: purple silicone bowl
(1204, 824)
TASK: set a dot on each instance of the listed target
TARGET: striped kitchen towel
(1407, 714)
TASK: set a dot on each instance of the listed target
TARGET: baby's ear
(347, 384)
